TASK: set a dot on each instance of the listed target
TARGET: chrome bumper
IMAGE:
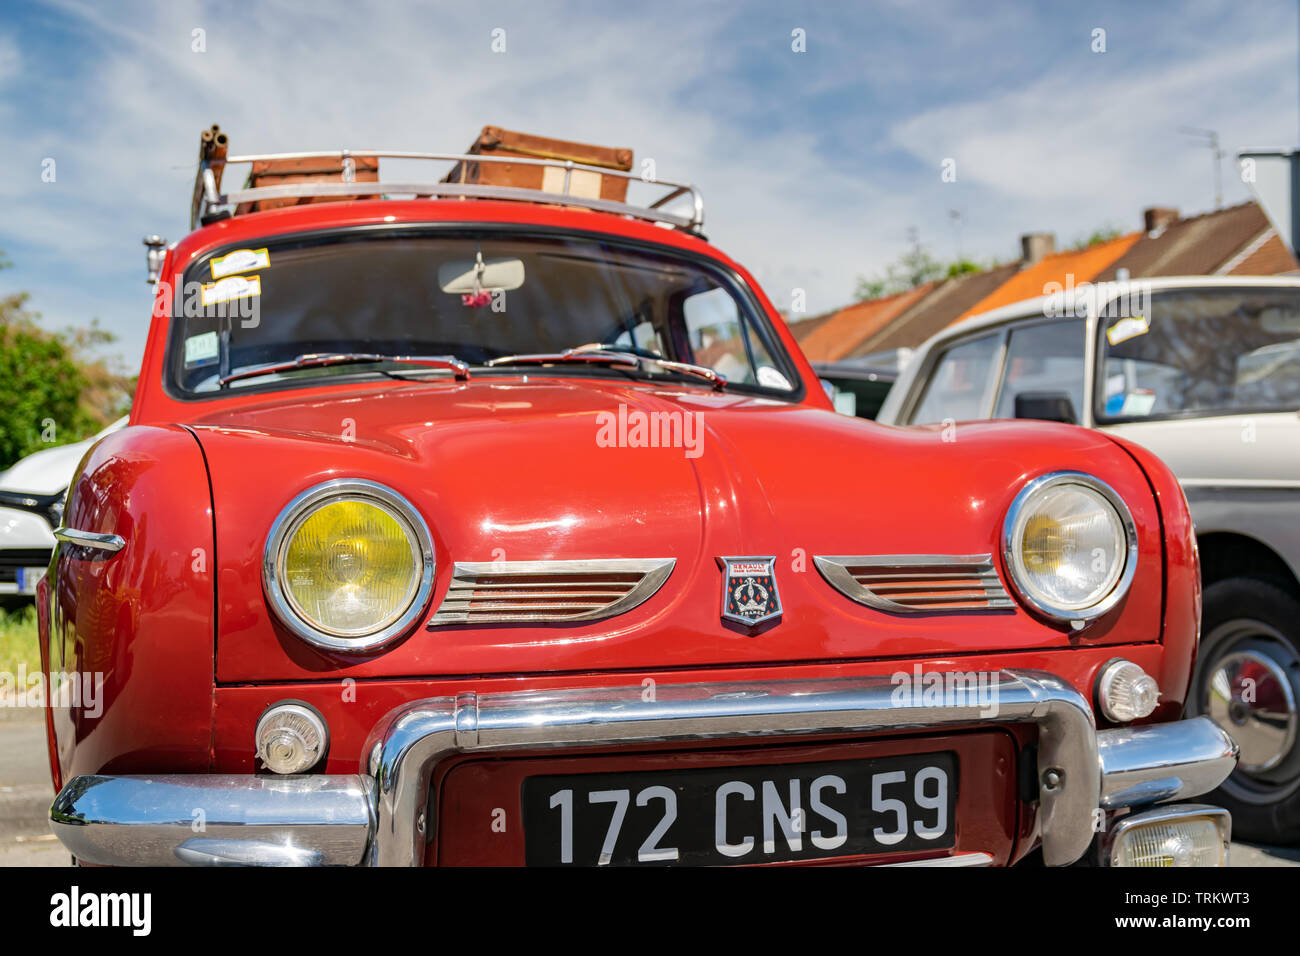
(379, 818)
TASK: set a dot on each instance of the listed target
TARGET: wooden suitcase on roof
(495, 141)
(282, 172)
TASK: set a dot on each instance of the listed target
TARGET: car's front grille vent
(539, 592)
(917, 583)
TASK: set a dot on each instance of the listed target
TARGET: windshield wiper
(322, 359)
(595, 353)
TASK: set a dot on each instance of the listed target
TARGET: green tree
(1099, 235)
(54, 389)
(913, 268)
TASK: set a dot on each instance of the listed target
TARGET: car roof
(363, 213)
(1068, 300)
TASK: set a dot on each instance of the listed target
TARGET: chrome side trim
(957, 573)
(568, 595)
(202, 851)
(974, 858)
(148, 821)
(407, 744)
(90, 539)
(1162, 762)
(287, 522)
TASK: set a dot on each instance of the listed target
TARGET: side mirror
(157, 251)
(1046, 406)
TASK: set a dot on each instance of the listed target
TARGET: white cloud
(11, 61)
(1076, 146)
(1064, 150)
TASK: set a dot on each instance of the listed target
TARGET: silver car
(1205, 372)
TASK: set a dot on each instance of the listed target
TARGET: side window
(959, 384)
(720, 340)
(1046, 357)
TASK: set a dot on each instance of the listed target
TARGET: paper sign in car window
(1126, 329)
(1138, 403)
(201, 349)
(241, 260)
(233, 287)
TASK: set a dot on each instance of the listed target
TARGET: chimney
(1035, 245)
(1155, 219)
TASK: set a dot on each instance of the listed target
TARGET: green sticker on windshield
(201, 349)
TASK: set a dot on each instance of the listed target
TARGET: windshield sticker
(201, 349)
(241, 260)
(1126, 329)
(1138, 403)
(234, 287)
(769, 377)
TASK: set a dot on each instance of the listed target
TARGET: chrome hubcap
(1249, 695)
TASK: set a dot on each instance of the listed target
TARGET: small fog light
(1177, 836)
(1126, 692)
(291, 737)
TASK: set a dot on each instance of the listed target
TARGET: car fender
(127, 635)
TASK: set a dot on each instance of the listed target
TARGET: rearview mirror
(459, 277)
(1046, 406)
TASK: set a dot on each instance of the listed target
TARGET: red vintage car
(501, 525)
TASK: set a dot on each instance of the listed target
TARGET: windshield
(1200, 352)
(474, 297)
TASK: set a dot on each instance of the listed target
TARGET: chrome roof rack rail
(210, 198)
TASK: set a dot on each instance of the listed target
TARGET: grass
(18, 640)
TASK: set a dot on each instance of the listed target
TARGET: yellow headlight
(1070, 545)
(351, 567)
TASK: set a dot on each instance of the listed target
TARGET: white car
(1205, 372)
(31, 507)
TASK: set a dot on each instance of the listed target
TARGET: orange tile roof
(1031, 281)
(851, 326)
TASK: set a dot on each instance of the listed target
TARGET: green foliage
(53, 389)
(913, 268)
(1099, 235)
(18, 642)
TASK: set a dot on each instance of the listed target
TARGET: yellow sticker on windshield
(1126, 329)
(241, 260)
(234, 287)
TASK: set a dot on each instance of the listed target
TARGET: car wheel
(1247, 680)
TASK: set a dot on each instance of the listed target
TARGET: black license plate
(740, 815)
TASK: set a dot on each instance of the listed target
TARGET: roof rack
(211, 202)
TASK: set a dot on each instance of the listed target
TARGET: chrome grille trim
(522, 592)
(917, 583)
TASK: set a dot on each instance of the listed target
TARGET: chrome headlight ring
(287, 522)
(1076, 617)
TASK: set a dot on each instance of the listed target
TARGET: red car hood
(545, 468)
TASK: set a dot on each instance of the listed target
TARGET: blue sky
(813, 165)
